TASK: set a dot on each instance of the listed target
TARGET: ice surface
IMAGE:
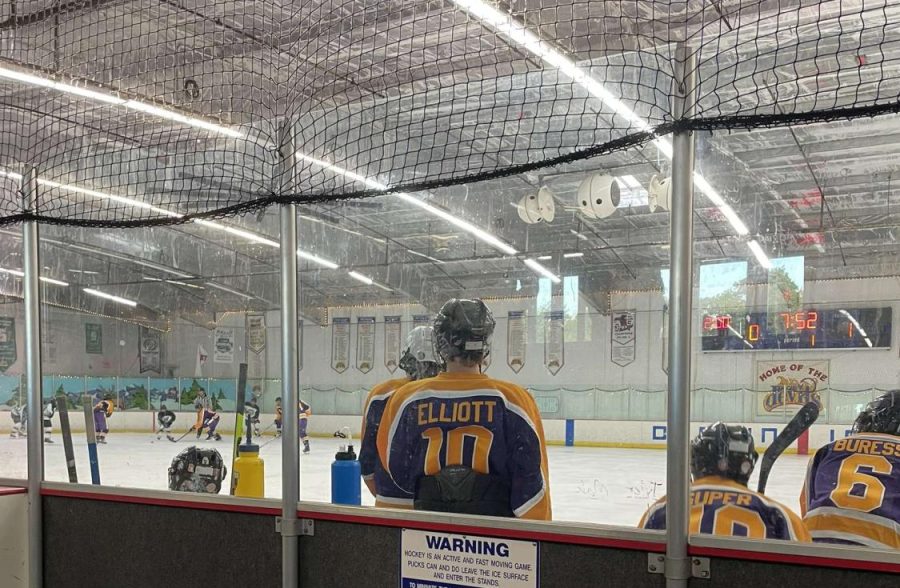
(597, 485)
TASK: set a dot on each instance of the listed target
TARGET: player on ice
(722, 459)
(461, 441)
(251, 412)
(418, 362)
(852, 490)
(19, 415)
(165, 418)
(102, 411)
(207, 417)
(49, 411)
(303, 413)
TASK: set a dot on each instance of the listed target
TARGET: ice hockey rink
(596, 485)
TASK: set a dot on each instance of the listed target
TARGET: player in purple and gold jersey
(722, 459)
(461, 441)
(852, 489)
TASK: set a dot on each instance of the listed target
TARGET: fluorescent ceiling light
(761, 256)
(428, 257)
(249, 235)
(364, 279)
(539, 269)
(86, 272)
(229, 290)
(21, 274)
(176, 282)
(575, 254)
(544, 257)
(316, 259)
(118, 299)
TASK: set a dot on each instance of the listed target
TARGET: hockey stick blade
(802, 421)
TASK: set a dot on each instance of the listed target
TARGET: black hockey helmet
(163, 407)
(724, 450)
(197, 470)
(882, 415)
(463, 329)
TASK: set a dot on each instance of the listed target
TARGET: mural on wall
(8, 351)
(392, 343)
(190, 387)
(93, 338)
(132, 394)
(149, 349)
(554, 341)
(163, 391)
(10, 389)
(223, 345)
(340, 344)
(785, 386)
(622, 337)
(516, 340)
(365, 343)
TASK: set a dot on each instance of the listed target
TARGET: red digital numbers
(712, 322)
(800, 320)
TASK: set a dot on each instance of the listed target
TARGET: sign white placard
(392, 343)
(340, 343)
(223, 346)
(365, 343)
(622, 337)
(785, 386)
(516, 340)
(446, 560)
(554, 341)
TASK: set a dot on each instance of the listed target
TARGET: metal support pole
(290, 381)
(31, 281)
(678, 564)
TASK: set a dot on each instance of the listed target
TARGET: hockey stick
(186, 433)
(802, 421)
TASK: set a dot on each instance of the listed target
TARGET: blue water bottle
(346, 486)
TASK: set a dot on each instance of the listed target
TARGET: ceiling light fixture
(118, 299)
(316, 259)
(364, 279)
(21, 274)
(544, 257)
(428, 257)
(539, 269)
(761, 256)
(575, 254)
(229, 290)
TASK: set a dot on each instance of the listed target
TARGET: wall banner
(93, 338)
(444, 560)
(255, 335)
(785, 386)
(149, 348)
(8, 351)
(622, 337)
(516, 340)
(392, 343)
(340, 344)
(554, 341)
(365, 343)
(223, 346)
(423, 320)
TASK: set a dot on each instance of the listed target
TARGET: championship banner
(622, 337)
(340, 344)
(93, 338)
(422, 320)
(785, 386)
(365, 343)
(8, 351)
(255, 333)
(224, 346)
(392, 343)
(516, 340)
(149, 346)
(554, 341)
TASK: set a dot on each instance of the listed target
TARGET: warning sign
(444, 560)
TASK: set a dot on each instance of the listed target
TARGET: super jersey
(370, 465)
(852, 492)
(724, 507)
(462, 418)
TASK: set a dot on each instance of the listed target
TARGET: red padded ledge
(6, 491)
(805, 560)
(168, 502)
(527, 535)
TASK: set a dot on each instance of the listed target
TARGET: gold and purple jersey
(370, 465)
(468, 419)
(852, 492)
(720, 506)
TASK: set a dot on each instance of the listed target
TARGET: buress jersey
(720, 506)
(467, 419)
(852, 492)
(370, 465)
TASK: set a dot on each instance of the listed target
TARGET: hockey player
(19, 416)
(461, 441)
(852, 489)
(418, 362)
(722, 459)
(278, 417)
(165, 418)
(304, 411)
(102, 411)
(49, 411)
(207, 417)
(251, 412)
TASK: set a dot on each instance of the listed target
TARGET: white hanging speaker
(598, 196)
(528, 209)
(659, 193)
(546, 204)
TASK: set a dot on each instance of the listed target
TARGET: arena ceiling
(385, 92)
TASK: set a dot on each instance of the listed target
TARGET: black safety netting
(133, 112)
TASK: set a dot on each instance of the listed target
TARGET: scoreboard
(806, 328)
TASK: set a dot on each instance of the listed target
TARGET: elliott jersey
(852, 492)
(720, 506)
(455, 418)
(105, 406)
(370, 465)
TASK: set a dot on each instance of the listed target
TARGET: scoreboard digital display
(807, 328)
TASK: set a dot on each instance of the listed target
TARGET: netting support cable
(290, 374)
(35, 431)
(678, 564)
